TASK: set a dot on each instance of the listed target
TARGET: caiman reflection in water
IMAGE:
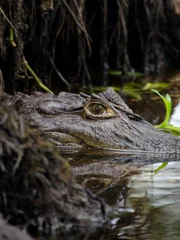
(145, 201)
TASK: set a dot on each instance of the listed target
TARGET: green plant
(165, 124)
(162, 166)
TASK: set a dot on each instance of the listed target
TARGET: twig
(3, 13)
(81, 26)
(11, 37)
(59, 74)
(38, 81)
(80, 16)
(73, 16)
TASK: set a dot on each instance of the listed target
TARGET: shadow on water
(145, 201)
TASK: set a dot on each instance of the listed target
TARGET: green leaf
(132, 94)
(130, 74)
(170, 128)
(165, 126)
(132, 90)
(168, 105)
(159, 86)
(102, 89)
(163, 165)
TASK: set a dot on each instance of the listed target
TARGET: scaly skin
(102, 121)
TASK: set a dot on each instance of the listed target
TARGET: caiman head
(100, 121)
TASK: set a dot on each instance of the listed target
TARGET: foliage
(134, 89)
(165, 124)
(129, 74)
(163, 165)
(156, 85)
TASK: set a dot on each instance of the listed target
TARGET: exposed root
(58, 37)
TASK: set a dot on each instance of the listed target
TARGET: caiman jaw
(65, 141)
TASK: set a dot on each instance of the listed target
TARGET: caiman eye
(97, 183)
(97, 109)
(94, 110)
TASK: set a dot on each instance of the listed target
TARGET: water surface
(146, 202)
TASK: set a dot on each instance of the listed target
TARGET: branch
(38, 81)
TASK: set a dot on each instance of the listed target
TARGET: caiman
(101, 121)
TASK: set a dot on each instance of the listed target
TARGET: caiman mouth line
(127, 151)
(65, 141)
(79, 144)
